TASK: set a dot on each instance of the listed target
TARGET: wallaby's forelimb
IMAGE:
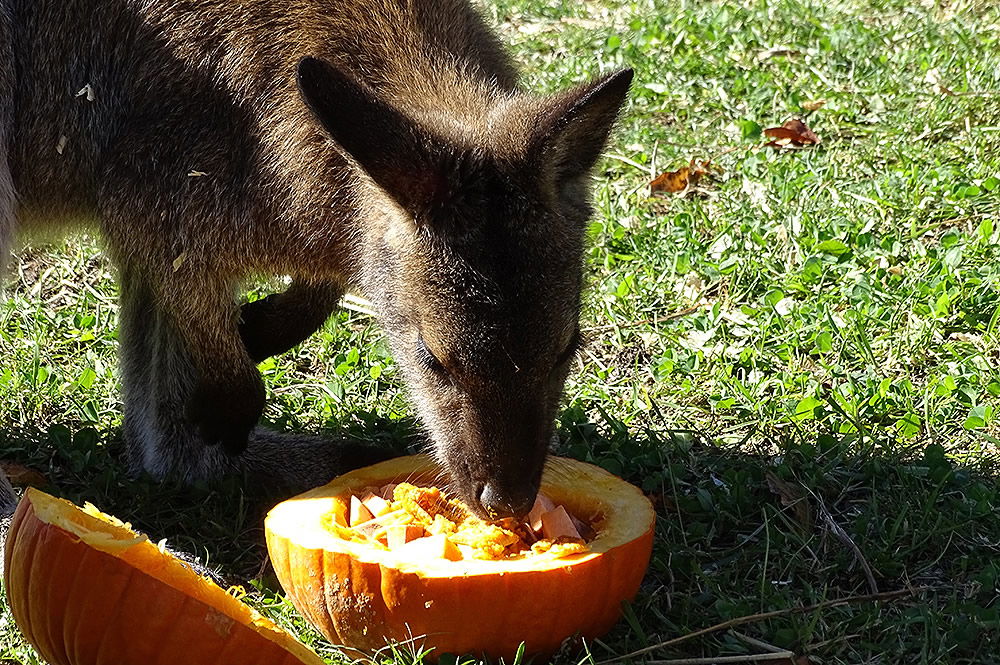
(181, 343)
(159, 378)
(279, 322)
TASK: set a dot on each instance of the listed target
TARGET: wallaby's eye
(571, 349)
(428, 359)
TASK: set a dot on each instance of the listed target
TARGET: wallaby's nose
(500, 502)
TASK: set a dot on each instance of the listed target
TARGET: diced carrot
(543, 504)
(558, 524)
(450, 551)
(376, 504)
(431, 547)
(398, 535)
(359, 513)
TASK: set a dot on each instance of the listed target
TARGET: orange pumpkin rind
(364, 597)
(86, 590)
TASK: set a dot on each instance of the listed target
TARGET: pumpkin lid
(618, 510)
(109, 535)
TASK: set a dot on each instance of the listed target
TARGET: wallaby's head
(473, 255)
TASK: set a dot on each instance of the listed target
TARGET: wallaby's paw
(225, 414)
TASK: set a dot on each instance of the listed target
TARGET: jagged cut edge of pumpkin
(618, 510)
(107, 534)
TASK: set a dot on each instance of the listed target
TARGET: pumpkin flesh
(361, 596)
(87, 590)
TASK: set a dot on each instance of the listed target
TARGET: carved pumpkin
(361, 595)
(87, 590)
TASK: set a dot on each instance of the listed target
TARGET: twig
(748, 658)
(753, 618)
(761, 644)
(631, 162)
(645, 322)
(357, 304)
(845, 538)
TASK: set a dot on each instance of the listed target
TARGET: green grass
(827, 317)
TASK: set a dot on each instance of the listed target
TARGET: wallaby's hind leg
(8, 198)
(8, 204)
(281, 321)
(159, 377)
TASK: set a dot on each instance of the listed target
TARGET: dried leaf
(179, 261)
(674, 182)
(87, 91)
(813, 105)
(21, 476)
(792, 497)
(671, 182)
(933, 77)
(776, 52)
(792, 133)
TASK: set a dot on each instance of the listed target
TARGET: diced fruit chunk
(543, 504)
(558, 524)
(431, 547)
(398, 535)
(359, 512)
(376, 504)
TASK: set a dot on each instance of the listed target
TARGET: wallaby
(384, 146)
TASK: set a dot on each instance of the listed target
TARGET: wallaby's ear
(383, 141)
(572, 134)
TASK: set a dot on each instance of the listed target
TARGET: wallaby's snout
(495, 451)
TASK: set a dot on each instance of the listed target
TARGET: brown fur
(451, 198)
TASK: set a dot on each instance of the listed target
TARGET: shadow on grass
(802, 518)
(220, 523)
(790, 521)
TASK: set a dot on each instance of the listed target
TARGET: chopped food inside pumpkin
(423, 522)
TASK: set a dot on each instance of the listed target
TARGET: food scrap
(793, 134)
(422, 522)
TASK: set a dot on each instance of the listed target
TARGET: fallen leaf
(776, 52)
(792, 497)
(21, 476)
(673, 182)
(813, 105)
(792, 133)
(933, 77)
(179, 261)
(87, 91)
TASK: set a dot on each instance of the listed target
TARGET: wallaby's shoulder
(379, 39)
